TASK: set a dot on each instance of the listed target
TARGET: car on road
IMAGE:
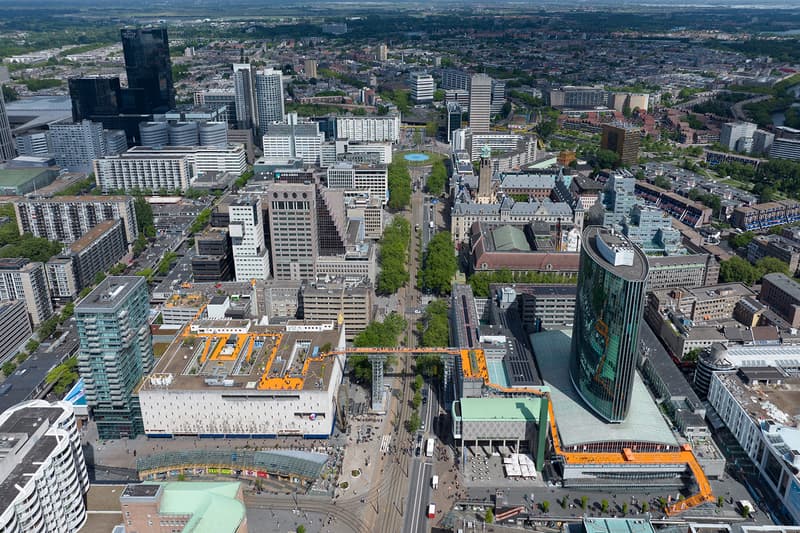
(418, 451)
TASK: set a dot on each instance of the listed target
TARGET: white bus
(429, 448)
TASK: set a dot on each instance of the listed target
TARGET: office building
(422, 87)
(44, 471)
(353, 177)
(498, 96)
(608, 309)
(578, 97)
(99, 249)
(762, 142)
(149, 68)
(675, 271)
(115, 353)
(369, 129)
(21, 279)
(67, 218)
(540, 306)
(244, 82)
(7, 147)
(144, 171)
(456, 80)
(34, 144)
(510, 151)
(20, 181)
(624, 140)
(246, 229)
(76, 145)
(328, 300)
(200, 159)
(216, 99)
(383, 52)
(360, 205)
(213, 261)
(480, 103)
(294, 139)
(737, 136)
(310, 68)
(782, 294)
(454, 114)
(94, 96)
(183, 506)
(364, 153)
(16, 328)
(269, 96)
(758, 405)
(785, 149)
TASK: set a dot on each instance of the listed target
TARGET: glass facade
(608, 309)
(149, 69)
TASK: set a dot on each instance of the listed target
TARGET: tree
(8, 368)
(606, 158)
(741, 240)
(768, 265)
(416, 401)
(437, 179)
(488, 517)
(624, 508)
(720, 501)
(63, 376)
(99, 277)
(439, 264)
(399, 183)
(47, 328)
(429, 366)
(31, 346)
(746, 511)
(381, 334)
(144, 216)
(418, 383)
(393, 256)
(738, 269)
(301, 529)
(435, 325)
(33, 248)
(413, 423)
(645, 507)
(545, 505)
(603, 505)
(438, 95)
(584, 501)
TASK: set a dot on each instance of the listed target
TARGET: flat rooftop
(500, 409)
(777, 400)
(93, 234)
(109, 294)
(577, 423)
(635, 272)
(617, 525)
(14, 177)
(285, 360)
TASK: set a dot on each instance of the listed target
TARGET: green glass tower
(608, 310)
(115, 353)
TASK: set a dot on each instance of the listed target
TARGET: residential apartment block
(25, 280)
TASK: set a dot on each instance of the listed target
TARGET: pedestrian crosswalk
(385, 440)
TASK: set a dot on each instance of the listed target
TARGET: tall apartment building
(737, 136)
(577, 97)
(201, 159)
(94, 96)
(785, 149)
(98, 250)
(7, 148)
(682, 271)
(149, 69)
(21, 279)
(144, 171)
(43, 469)
(293, 139)
(76, 145)
(383, 52)
(269, 96)
(422, 87)
(498, 96)
(246, 228)
(16, 328)
(623, 140)
(67, 218)
(244, 83)
(352, 177)
(115, 353)
(480, 103)
(325, 301)
(369, 129)
(215, 99)
(457, 80)
(310, 68)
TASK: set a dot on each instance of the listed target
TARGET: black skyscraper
(149, 70)
(92, 97)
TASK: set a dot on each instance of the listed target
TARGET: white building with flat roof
(370, 129)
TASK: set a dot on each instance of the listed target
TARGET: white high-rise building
(294, 139)
(21, 279)
(245, 95)
(246, 228)
(137, 170)
(75, 145)
(422, 87)
(369, 129)
(480, 103)
(498, 96)
(35, 144)
(352, 177)
(269, 96)
(7, 148)
(43, 469)
(737, 136)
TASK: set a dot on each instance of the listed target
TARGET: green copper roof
(213, 505)
(512, 409)
(508, 238)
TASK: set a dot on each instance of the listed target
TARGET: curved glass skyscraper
(609, 306)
